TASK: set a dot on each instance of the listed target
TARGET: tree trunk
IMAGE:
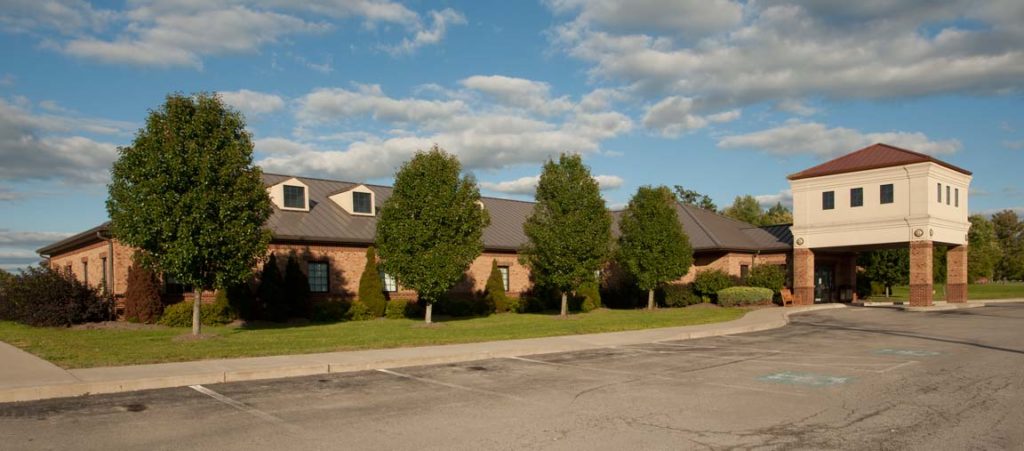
(197, 323)
(565, 304)
(650, 299)
(429, 313)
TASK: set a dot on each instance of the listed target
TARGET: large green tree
(777, 214)
(431, 228)
(569, 231)
(697, 199)
(746, 209)
(1009, 230)
(983, 251)
(653, 246)
(186, 194)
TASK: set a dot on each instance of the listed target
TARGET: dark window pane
(856, 197)
(318, 277)
(744, 271)
(828, 200)
(947, 194)
(956, 197)
(294, 196)
(361, 203)
(940, 193)
(886, 194)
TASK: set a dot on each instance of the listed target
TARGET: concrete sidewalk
(24, 377)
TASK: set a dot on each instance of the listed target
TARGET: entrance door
(824, 279)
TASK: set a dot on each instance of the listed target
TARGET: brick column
(920, 273)
(956, 274)
(803, 276)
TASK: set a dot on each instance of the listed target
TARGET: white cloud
(528, 185)
(62, 16)
(769, 200)
(797, 137)
(685, 17)
(1014, 144)
(11, 237)
(252, 102)
(673, 116)
(795, 106)
(725, 116)
(780, 50)
(32, 148)
(334, 104)
(440, 21)
(518, 92)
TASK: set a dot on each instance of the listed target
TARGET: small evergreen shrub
(402, 308)
(494, 291)
(42, 296)
(272, 297)
(371, 289)
(180, 314)
(243, 301)
(709, 282)
(358, 311)
(771, 277)
(515, 305)
(142, 301)
(678, 295)
(296, 289)
(741, 296)
(329, 311)
(590, 297)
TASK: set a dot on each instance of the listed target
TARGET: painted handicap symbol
(809, 379)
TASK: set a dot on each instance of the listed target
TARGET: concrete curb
(107, 380)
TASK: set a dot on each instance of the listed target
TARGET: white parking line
(244, 407)
(449, 385)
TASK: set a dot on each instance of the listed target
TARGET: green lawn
(1008, 290)
(90, 348)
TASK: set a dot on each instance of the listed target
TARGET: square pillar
(956, 274)
(803, 276)
(920, 273)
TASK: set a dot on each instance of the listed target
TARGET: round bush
(678, 295)
(216, 314)
(771, 277)
(358, 311)
(740, 296)
(401, 308)
(709, 282)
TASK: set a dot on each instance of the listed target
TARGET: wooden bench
(787, 297)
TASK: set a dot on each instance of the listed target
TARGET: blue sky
(725, 97)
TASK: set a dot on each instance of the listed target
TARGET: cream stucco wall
(914, 214)
(277, 194)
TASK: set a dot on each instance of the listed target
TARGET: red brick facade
(803, 276)
(956, 274)
(921, 273)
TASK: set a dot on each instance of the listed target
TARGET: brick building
(328, 225)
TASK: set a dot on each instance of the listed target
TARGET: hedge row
(42, 296)
(740, 296)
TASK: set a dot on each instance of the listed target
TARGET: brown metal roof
(326, 222)
(875, 156)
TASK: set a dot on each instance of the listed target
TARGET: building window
(389, 282)
(886, 194)
(319, 279)
(103, 264)
(939, 193)
(828, 200)
(504, 276)
(947, 195)
(956, 197)
(294, 197)
(744, 271)
(85, 272)
(361, 203)
(857, 197)
(173, 286)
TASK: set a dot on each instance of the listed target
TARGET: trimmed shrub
(709, 282)
(358, 311)
(142, 302)
(296, 289)
(216, 314)
(41, 296)
(494, 291)
(771, 277)
(371, 290)
(590, 297)
(273, 300)
(515, 305)
(402, 308)
(740, 296)
(678, 295)
(329, 311)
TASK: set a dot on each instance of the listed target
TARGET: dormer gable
(290, 195)
(358, 201)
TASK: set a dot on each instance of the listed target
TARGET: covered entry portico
(875, 198)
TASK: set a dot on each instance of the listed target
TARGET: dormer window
(294, 196)
(362, 202)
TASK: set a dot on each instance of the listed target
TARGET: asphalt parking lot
(838, 379)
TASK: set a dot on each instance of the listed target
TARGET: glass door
(824, 277)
